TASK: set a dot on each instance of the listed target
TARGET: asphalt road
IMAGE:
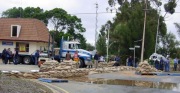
(19, 67)
(82, 87)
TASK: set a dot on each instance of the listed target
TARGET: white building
(25, 34)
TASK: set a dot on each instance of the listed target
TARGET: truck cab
(72, 46)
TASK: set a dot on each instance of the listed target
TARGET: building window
(22, 46)
(15, 30)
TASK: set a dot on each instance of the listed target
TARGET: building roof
(31, 30)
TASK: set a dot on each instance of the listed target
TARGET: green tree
(169, 44)
(89, 47)
(28, 12)
(127, 26)
(169, 7)
(15, 12)
(101, 45)
(178, 28)
(68, 24)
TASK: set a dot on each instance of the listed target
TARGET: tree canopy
(127, 26)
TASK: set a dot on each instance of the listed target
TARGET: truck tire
(27, 60)
(19, 60)
(82, 63)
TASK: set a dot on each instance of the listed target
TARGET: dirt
(17, 85)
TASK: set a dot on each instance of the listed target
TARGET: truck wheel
(27, 60)
(19, 60)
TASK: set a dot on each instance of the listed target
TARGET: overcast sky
(83, 6)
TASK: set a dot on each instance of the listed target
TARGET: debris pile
(144, 67)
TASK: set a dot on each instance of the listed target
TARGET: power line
(94, 13)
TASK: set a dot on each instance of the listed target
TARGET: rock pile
(144, 67)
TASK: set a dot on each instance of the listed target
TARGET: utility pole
(49, 46)
(157, 28)
(144, 30)
(108, 28)
(96, 25)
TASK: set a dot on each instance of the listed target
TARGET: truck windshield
(77, 46)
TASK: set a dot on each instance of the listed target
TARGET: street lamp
(134, 49)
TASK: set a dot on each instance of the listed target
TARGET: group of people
(176, 64)
(97, 58)
(131, 61)
(7, 56)
(162, 64)
(75, 57)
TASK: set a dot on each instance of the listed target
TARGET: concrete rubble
(66, 69)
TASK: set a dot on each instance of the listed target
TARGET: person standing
(161, 64)
(167, 65)
(96, 58)
(16, 54)
(36, 57)
(179, 65)
(76, 58)
(68, 56)
(6, 54)
(157, 64)
(3, 55)
(117, 59)
(136, 62)
(127, 59)
(175, 64)
(9, 52)
(130, 61)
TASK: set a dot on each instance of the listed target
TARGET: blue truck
(85, 56)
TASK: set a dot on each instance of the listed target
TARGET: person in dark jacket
(36, 57)
(96, 58)
(3, 55)
(157, 64)
(16, 54)
(7, 55)
(161, 64)
(117, 59)
(130, 61)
